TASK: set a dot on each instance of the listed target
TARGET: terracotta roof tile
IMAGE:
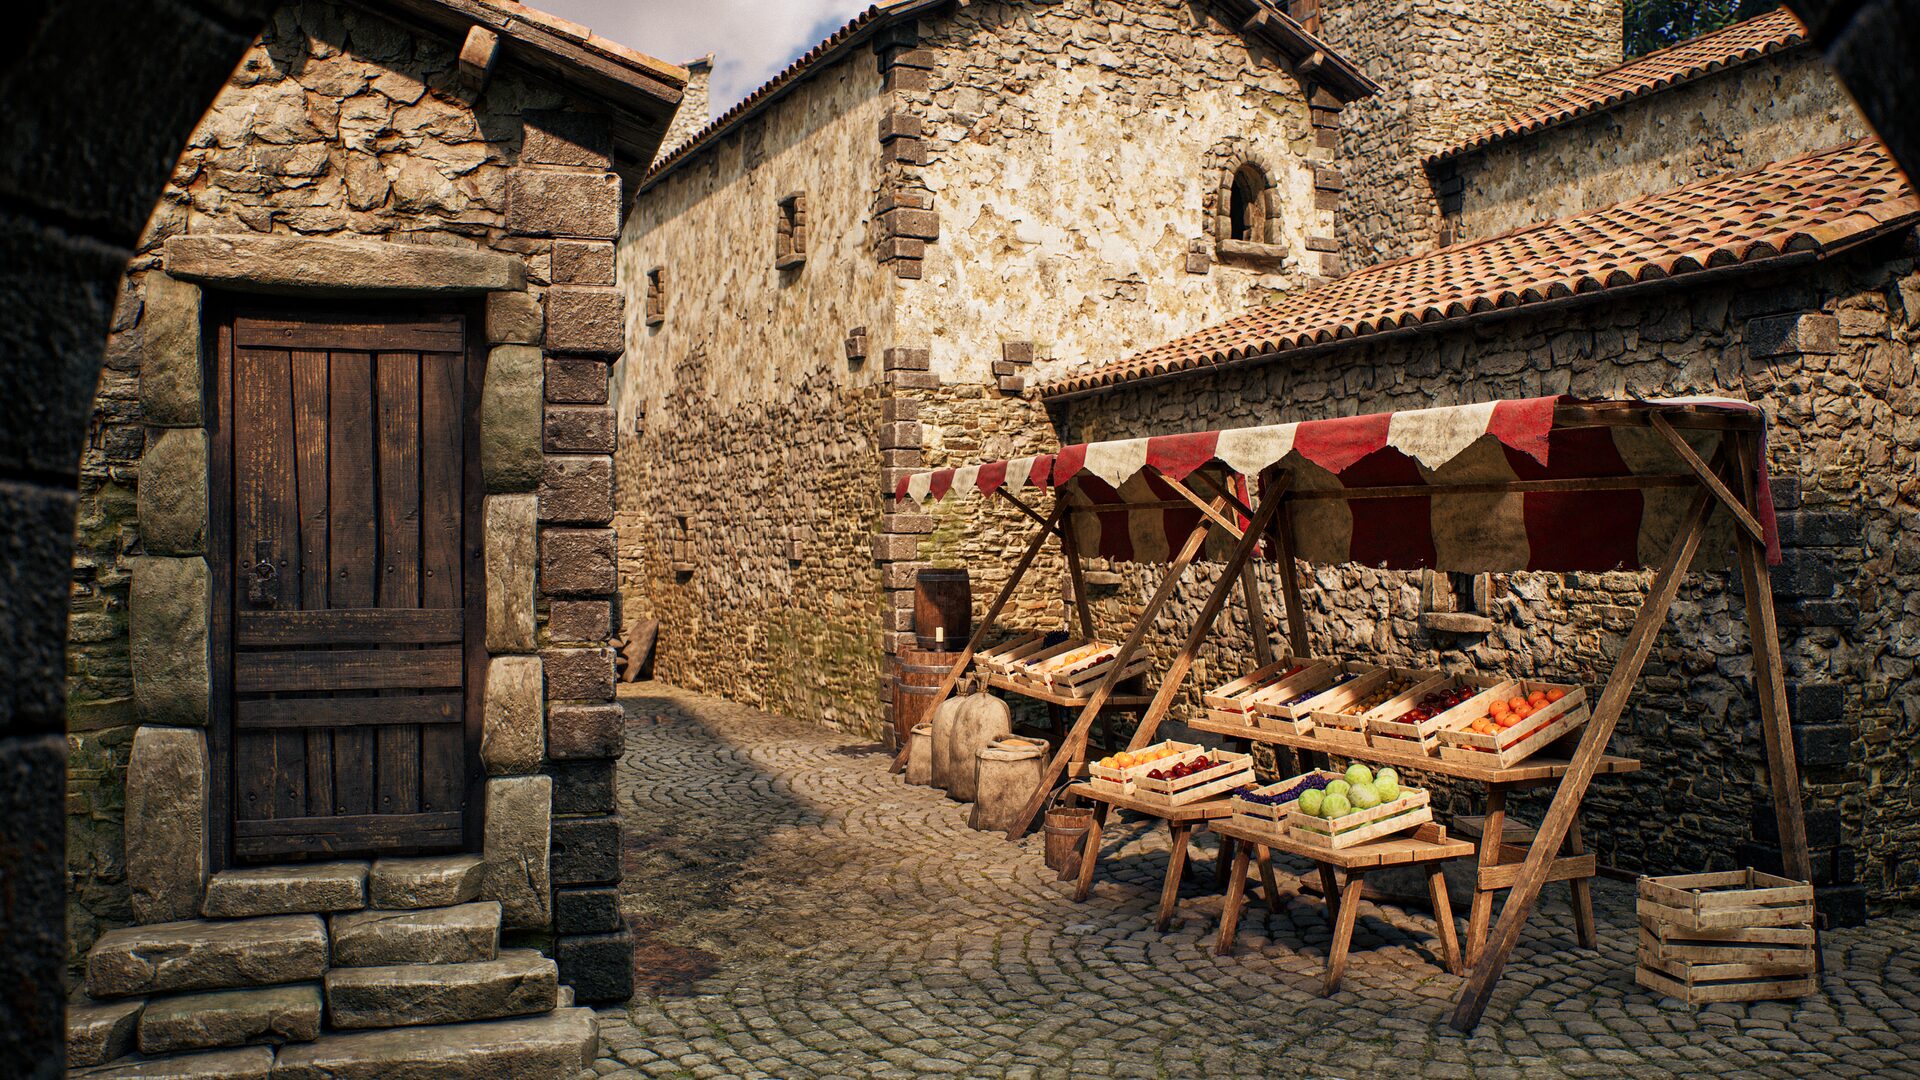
(1815, 203)
(1740, 43)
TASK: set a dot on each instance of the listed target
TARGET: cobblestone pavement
(801, 913)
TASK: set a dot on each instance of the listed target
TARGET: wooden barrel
(942, 609)
(916, 678)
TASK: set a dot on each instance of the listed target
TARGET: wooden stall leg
(1091, 854)
(1236, 898)
(1480, 916)
(1176, 862)
(1573, 786)
(1330, 885)
(1268, 886)
(1343, 928)
(1582, 891)
(1223, 862)
(1443, 918)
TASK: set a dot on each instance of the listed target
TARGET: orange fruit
(1556, 694)
(1517, 703)
(1498, 707)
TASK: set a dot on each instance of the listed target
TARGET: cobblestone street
(801, 913)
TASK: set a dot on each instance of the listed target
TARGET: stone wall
(749, 405)
(347, 152)
(1844, 434)
(1771, 110)
(1448, 70)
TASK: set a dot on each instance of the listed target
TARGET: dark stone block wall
(83, 168)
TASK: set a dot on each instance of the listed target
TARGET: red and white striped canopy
(1477, 530)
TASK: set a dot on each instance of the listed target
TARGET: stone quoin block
(908, 80)
(580, 429)
(172, 496)
(577, 489)
(576, 380)
(1803, 573)
(166, 823)
(902, 575)
(170, 355)
(906, 435)
(888, 547)
(512, 558)
(900, 359)
(563, 204)
(1816, 703)
(578, 562)
(510, 419)
(579, 674)
(1822, 746)
(902, 247)
(1815, 528)
(586, 911)
(919, 524)
(912, 380)
(586, 319)
(1782, 335)
(583, 262)
(913, 458)
(918, 224)
(168, 612)
(514, 318)
(579, 620)
(519, 813)
(554, 137)
(585, 732)
(599, 967)
(895, 409)
(513, 728)
(898, 124)
(586, 850)
(583, 787)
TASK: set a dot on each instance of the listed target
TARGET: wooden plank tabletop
(1408, 847)
(1536, 768)
(1116, 701)
(1204, 810)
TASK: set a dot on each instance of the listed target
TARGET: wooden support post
(1257, 627)
(1283, 553)
(1480, 912)
(1769, 681)
(1049, 527)
(1176, 674)
(1573, 786)
(1076, 739)
(1176, 862)
(1443, 917)
(1236, 896)
(1076, 574)
(1349, 913)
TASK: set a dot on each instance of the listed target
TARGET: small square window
(656, 296)
(682, 548)
(1456, 603)
(790, 245)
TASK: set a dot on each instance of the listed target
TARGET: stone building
(1721, 229)
(344, 574)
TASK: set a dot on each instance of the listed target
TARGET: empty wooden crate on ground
(1739, 935)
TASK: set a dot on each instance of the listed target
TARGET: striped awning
(1548, 483)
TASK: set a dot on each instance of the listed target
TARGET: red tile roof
(1740, 43)
(1812, 206)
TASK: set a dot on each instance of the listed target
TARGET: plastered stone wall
(1771, 110)
(1844, 439)
(749, 464)
(338, 125)
(1448, 70)
(1075, 151)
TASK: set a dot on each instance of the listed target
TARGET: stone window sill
(1249, 252)
(789, 262)
(656, 320)
(1454, 622)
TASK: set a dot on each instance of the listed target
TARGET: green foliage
(1656, 24)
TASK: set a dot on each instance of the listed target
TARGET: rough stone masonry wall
(1770, 110)
(750, 408)
(341, 126)
(1831, 356)
(1448, 70)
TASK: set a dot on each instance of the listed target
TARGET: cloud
(751, 39)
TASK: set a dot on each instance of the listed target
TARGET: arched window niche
(1247, 217)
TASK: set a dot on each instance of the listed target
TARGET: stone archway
(100, 97)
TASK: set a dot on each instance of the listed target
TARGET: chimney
(693, 106)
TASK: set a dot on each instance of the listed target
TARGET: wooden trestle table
(1181, 821)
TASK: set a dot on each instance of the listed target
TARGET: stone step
(557, 1044)
(271, 1014)
(98, 1033)
(426, 882)
(448, 935)
(196, 954)
(519, 982)
(316, 888)
(251, 1063)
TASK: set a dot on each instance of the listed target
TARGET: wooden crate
(996, 658)
(1510, 746)
(1409, 810)
(1044, 668)
(1230, 699)
(1266, 704)
(1123, 781)
(1740, 935)
(1274, 816)
(1331, 724)
(1230, 771)
(1386, 729)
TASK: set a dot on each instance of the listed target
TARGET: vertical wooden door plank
(397, 408)
(352, 550)
(310, 465)
(442, 437)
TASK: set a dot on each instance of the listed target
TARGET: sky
(751, 39)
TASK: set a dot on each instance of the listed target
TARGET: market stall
(1543, 484)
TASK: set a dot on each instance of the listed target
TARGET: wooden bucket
(942, 608)
(916, 679)
(1065, 828)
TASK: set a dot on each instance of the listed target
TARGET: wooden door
(345, 441)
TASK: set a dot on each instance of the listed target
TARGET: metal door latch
(263, 581)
